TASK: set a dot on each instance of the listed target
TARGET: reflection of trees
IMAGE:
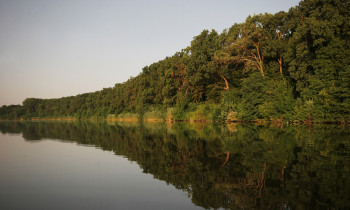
(250, 166)
(319, 175)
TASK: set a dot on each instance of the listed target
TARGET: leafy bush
(154, 113)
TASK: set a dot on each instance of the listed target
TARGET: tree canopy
(286, 66)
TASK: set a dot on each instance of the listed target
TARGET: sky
(53, 49)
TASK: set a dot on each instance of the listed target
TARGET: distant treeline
(288, 66)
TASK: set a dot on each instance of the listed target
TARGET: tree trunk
(227, 157)
(226, 83)
(280, 62)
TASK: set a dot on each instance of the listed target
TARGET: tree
(248, 45)
(318, 53)
(199, 71)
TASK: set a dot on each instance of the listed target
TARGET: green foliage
(253, 96)
(279, 101)
(155, 113)
(181, 110)
(128, 116)
(286, 66)
(305, 110)
(228, 104)
(12, 112)
(205, 112)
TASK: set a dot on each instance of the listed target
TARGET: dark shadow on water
(224, 166)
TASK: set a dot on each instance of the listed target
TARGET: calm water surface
(82, 165)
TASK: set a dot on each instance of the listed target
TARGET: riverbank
(136, 118)
(201, 112)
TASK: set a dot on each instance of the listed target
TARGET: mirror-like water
(61, 165)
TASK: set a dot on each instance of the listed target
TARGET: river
(120, 165)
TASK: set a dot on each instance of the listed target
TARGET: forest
(286, 67)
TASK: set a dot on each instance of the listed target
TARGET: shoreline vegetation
(288, 67)
(134, 117)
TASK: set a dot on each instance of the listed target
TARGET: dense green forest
(288, 66)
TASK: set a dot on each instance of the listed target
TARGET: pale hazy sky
(56, 48)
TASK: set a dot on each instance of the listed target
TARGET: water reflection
(219, 166)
